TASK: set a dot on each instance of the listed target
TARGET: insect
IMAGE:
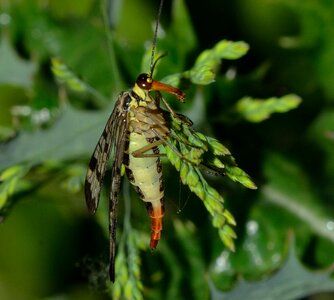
(134, 131)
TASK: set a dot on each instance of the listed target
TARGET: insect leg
(159, 97)
(141, 152)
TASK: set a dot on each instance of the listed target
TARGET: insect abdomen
(145, 174)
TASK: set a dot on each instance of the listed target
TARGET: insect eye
(144, 81)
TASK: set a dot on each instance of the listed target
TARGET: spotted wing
(101, 154)
(114, 192)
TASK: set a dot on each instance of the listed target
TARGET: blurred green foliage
(52, 249)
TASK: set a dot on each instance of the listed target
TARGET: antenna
(155, 37)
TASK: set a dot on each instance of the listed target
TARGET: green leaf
(289, 188)
(203, 72)
(127, 284)
(292, 281)
(189, 243)
(10, 182)
(236, 174)
(65, 76)
(73, 135)
(187, 150)
(181, 19)
(192, 177)
(13, 69)
(222, 50)
(230, 50)
(127, 264)
(257, 110)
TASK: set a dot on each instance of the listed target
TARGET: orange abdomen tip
(156, 225)
(153, 243)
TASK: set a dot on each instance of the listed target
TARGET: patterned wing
(114, 191)
(99, 159)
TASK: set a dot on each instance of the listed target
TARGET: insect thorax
(147, 118)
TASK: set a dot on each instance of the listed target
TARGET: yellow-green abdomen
(145, 175)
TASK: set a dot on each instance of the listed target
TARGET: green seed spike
(196, 149)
